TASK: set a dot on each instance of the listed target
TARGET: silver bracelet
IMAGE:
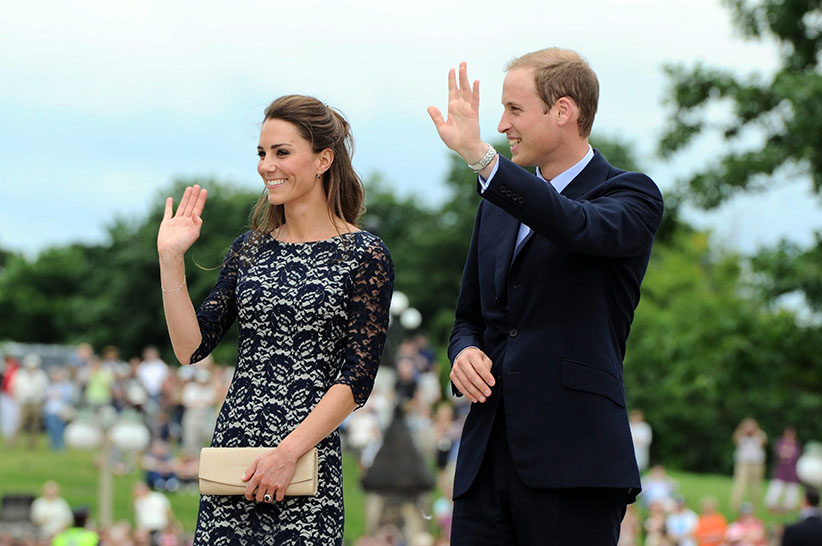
(485, 161)
(173, 289)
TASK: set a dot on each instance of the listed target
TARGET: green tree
(781, 113)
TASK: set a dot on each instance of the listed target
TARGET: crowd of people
(179, 408)
(671, 521)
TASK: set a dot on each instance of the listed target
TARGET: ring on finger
(267, 497)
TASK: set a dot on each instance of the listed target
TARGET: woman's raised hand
(179, 231)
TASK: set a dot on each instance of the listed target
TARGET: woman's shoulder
(370, 245)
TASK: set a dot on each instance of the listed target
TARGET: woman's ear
(326, 159)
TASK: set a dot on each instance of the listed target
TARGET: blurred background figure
(28, 387)
(642, 436)
(152, 511)
(59, 407)
(711, 527)
(198, 399)
(681, 523)
(783, 491)
(9, 408)
(656, 533)
(77, 535)
(152, 372)
(630, 528)
(749, 462)
(50, 513)
(747, 529)
(659, 488)
(160, 467)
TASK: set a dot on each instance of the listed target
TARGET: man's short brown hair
(563, 73)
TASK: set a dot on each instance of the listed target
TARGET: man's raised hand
(461, 131)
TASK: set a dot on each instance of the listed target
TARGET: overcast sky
(103, 105)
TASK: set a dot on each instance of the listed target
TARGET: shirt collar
(561, 181)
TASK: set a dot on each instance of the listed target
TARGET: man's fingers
(475, 96)
(465, 85)
(436, 116)
(466, 387)
(452, 85)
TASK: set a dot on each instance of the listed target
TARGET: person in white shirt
(642, 435)
(50, 513)
(29, 388)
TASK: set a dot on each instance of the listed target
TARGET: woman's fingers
(192, 200)
(199, 205)
(169, 208)
(184, 202)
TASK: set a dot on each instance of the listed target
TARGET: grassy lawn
(24, 471)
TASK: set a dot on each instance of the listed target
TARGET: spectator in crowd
(151, 372)
(80, 359)
(406, 385)
(681, 523)
(710, 530)
(159, 467)
(655, 525)
(9, 408)
(152, 510)
(50, 513)
(749, 462)
(808, 530)
(61, 396)
(99, 380)
(77, 535)
(630, 528)
(642, 435)
(785, 481)
(747, 530)
(658, 487)
(198, 400)
(29, 389)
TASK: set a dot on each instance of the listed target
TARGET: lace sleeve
(367, 321)
(217, 313)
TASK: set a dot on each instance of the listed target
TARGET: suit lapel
(509, 226)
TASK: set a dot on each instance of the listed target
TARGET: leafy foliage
(782, 111)
(704, 353)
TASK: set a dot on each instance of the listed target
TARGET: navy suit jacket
(807, 532)
(554, 317)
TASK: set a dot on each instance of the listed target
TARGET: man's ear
(566, 110)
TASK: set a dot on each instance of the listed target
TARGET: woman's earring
(319, 175)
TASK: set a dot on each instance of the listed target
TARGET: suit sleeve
(469, 326)
(618, 219)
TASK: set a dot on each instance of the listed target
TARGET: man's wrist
(487, 157)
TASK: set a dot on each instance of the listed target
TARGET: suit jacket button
(513, 332)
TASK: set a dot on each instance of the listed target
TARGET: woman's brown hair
(324, 127)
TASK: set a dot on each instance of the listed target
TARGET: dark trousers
(500, 510)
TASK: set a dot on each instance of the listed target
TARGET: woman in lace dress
(310, 292)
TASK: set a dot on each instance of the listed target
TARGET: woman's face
(288, 165)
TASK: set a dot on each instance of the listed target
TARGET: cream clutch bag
(222, 467)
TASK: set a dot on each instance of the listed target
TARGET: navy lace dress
(310, 315)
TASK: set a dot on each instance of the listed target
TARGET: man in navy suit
(548, 294)
(808, 530)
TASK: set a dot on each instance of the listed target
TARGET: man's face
(531, 131)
